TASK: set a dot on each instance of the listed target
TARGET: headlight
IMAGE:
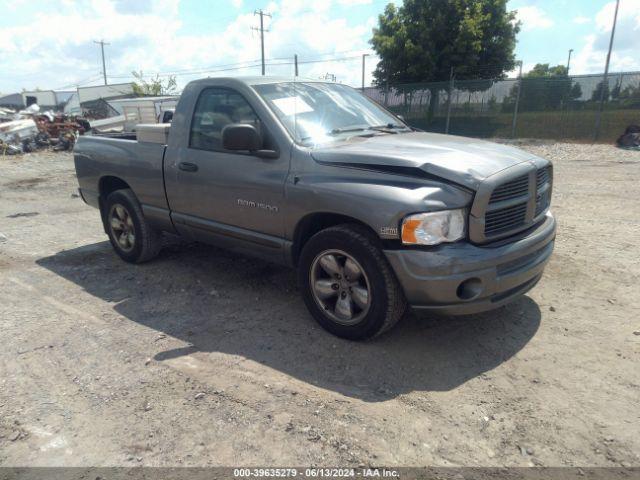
(434, 228)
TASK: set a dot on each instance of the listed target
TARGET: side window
(216, 108)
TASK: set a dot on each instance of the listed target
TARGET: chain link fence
(560, 108)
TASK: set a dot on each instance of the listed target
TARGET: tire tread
(397, 304)
(357, 234)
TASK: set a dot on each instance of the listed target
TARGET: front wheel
(348, 285)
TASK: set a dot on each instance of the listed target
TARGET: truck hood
(460, 160)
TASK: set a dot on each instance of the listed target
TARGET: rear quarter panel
(137, 164)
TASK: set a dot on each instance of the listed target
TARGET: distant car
(314, 175)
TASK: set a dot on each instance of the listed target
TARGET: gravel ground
(202, 357)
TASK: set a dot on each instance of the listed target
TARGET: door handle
(188, 166)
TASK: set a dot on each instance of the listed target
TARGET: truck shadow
(218, 301)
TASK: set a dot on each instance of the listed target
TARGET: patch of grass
(569, 125)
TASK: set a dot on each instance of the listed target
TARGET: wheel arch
(313, 223)
(109, 184)
(106, 186)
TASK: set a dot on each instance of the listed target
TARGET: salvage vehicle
(374, 215)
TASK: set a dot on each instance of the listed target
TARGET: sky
(50, 44)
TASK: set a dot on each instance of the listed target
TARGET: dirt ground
(202, 357)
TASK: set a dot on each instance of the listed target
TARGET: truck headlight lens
(434, 228)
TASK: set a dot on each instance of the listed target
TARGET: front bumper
(462, 278)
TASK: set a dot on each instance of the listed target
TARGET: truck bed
(144, 132)
(138, 164)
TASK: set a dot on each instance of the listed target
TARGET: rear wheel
(131, 236)
(347, 283)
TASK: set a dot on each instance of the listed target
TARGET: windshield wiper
(379, 128)
(337, 131)
(389, 128)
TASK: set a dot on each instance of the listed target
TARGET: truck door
(216, 194)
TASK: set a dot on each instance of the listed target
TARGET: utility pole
(514, 121)
(565, 102)
(295, 61)
(386, 90)
(261, 29)
(102, 43)
(363, 57)
(446, 127)
(605, 80)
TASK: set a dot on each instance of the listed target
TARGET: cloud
(45, 55)
(581, 20)
(315, 35)
(36, 52)
(533, 18)
(591, 57)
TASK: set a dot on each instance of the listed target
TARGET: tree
(595, 96)
(155, 86)
(616, 90)
(492, 104)
(422, 40)
(627, 97)
(630, 96)
(544, 88)
(576, 92)
(543, 70)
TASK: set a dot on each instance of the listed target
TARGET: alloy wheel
(121, 225)
(340, 286)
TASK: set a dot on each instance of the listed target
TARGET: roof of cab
(256, 80)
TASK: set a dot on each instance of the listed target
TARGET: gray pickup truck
(374, 215)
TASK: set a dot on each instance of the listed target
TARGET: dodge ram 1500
(374, 215)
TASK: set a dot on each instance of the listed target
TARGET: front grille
(543, 195)
(512, 189)
(505, 219)
(542, 202)
(509, 202)
(508, 218)
(543, 176)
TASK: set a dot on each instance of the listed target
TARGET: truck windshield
(316, 113)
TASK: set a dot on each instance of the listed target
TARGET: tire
(326, 293)
(130, 234)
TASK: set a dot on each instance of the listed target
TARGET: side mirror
(241, 136)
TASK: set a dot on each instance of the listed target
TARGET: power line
(241, 65)
(211, 68)
(337, 59)
(273, 62)
(316, 56)
(245, 65)
(79, 83)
